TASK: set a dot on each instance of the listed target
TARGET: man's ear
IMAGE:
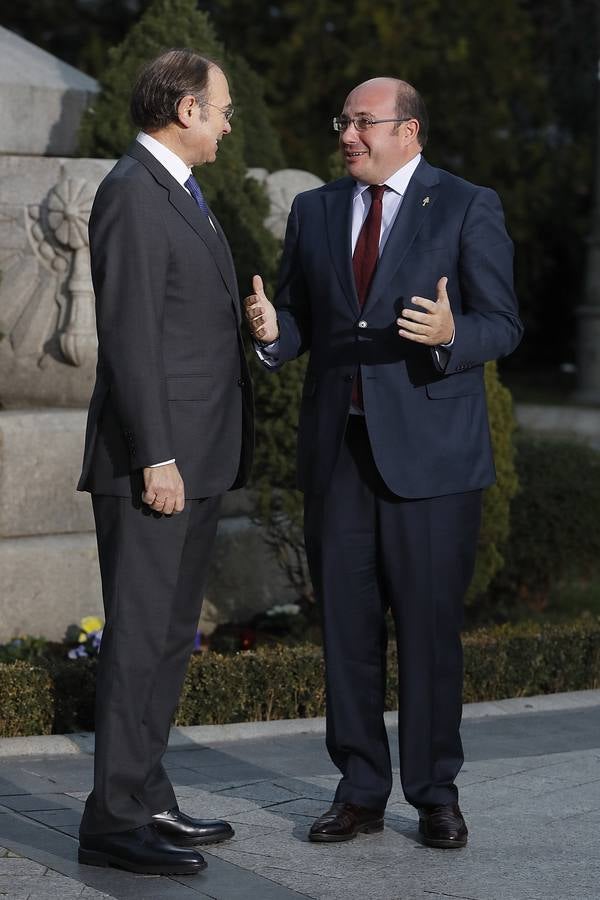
(185, 108)
(411, 130)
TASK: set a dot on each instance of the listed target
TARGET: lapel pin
(425, 201)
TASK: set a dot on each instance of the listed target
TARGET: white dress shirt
(392, 201)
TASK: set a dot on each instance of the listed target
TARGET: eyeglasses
(227, 111)
(361, 123)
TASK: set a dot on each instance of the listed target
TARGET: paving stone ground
(530, 790)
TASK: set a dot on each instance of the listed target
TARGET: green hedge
(27, 700)
(287, 682)
(554, 533)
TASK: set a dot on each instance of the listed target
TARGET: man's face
(209, 121)
(375, 154)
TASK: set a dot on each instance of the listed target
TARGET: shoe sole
(194, 842)
(445, 844)
(96, 858)
(441, 843)
(371, 828)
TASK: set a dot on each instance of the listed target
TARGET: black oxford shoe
(142, 850)
(443, 826)
(185, 831)
(344, 821)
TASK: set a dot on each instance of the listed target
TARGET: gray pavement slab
(530, 790)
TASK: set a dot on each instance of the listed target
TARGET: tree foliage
(239, 201)
(510, 90)
(510, 86)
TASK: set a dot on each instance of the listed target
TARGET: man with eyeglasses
(169, 431)
(398, 282)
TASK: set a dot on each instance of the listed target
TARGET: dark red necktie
(364, 263)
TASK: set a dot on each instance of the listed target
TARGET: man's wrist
(448, 344)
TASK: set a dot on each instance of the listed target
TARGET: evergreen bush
(554, 533)
(27, 700)
(238, 201)
(288, 682)
(495, 522)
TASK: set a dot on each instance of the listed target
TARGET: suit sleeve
(129, 252)
(488, 326)
(292, 297)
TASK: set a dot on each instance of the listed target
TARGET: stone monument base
(48, 556)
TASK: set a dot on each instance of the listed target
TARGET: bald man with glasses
(397, 280)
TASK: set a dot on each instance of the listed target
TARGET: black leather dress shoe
(344, 821)
(142, 850)
(443, 826)
(185, 831)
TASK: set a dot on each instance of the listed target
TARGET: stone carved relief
(48, 292)
(58, 235)
(47, 321)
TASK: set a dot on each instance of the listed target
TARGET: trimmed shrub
(74, 690)
(288, 682)
(526, 659)
(274, 683)
(554, 527)
(27, 700)
(497, 499)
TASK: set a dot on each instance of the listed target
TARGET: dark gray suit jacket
(172, 379)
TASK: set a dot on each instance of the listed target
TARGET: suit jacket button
(363, 324)
(241, 382)
(348, 378)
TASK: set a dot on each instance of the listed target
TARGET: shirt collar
(174, 165)
(397, 182)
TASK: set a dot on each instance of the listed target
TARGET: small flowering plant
(89, 639)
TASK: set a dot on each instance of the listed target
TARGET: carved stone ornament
(69, 207)
(49, 303)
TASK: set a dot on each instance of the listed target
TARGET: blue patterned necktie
(194, 188)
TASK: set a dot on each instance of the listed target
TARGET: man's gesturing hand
(434, 326)
(260, 314)
(164, 491)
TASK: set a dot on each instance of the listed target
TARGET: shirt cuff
(450, 342)
(165, 463)
(268, 353)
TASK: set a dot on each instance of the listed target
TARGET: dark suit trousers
(370, 550)
(153, 571)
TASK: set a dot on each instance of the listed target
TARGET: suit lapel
(417, 204)
(187, 208)
(233, 289)
(338, 211)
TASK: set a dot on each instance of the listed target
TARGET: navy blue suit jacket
(427, 421)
